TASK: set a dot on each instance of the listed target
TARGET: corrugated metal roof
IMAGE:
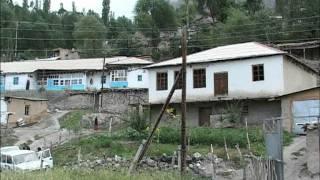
(224, 53)
(77, 64)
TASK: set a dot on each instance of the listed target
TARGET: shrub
(137, 120)
(133, 134)
(207, 136)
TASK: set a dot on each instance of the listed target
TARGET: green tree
(90, 35)
(253, 6)
(46, 6)
(105, 12)
(25, 4)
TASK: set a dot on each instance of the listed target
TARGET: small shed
(299, 108)
(26, 110)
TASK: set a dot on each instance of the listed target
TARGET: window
(26, 110)
(55, 82)
(67, 82)
(74, 81)
(257, 72)
(119, 75)
(139, 77)
(179, 83)
(91, 81)
(61, 82)
(80, 81)
(103, 79)
(162, 81)
(221, 83)
(15, 80)
(199, 78)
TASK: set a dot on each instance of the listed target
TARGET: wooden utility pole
(183, 102)
(102, 78)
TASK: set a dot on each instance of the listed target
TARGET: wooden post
(248, 140)
(135, 160)
(164, 107)
(183, 103)
(110, 126)
(213, 164)
(226, 148)
(103, 68)
(179, 157)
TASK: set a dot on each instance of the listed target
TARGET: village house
(300, 108)
(24, 110)
(78, 74)
(248, 76)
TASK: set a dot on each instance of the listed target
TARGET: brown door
(204, 116)
(221, 83)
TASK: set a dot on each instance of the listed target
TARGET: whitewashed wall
(239, 80)
(3, 111)
(133, 78)
(23, 78)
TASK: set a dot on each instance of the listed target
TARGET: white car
(9, 148)
(45, 155)
(22, 160)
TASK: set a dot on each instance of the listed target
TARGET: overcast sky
(119, 7)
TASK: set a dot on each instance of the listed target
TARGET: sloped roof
(76, 64)
(224, 53)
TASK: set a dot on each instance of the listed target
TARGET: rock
(190, 166)
(151, 162)
(117, 165)
(197, 155)
(117, 158)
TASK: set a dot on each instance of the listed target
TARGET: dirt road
(295, 161)
(45, 133)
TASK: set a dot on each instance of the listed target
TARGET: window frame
(257, 72)
(162, 83)
(27, 110)
(199, 80)
(16, 80)
(139, 78)
(118, 75)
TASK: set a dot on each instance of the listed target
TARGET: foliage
(217, 8)
(233, 112)
(137, 119)
(133, 134)
(72, 121)
(92, 33)
(105, 12)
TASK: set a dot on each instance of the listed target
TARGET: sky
(119, 7)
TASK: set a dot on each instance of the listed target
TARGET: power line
(172, 28)
(194, 40)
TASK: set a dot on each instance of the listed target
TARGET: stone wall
(313, 161)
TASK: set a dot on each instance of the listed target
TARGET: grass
(61, 174)
(71, 121)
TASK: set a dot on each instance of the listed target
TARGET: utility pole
(16, 45)
(102, 78)
(183, 102)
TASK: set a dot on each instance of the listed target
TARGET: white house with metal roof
(78, 74)
(246, 74)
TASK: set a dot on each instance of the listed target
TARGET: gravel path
(46, 133)
(295, 159)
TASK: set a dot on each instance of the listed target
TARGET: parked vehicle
(22, 160)
(9, 148)
(45, 155)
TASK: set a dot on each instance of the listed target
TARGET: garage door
(304, 112)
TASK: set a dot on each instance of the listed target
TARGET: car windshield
(22, 158)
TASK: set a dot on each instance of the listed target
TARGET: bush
(207, 136)
(133, 134)
(137, 120)
(96, 142)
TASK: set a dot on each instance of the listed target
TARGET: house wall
(132, 80)
(17, 106)
(3, 111)
(258, 110)
(240, 81)
(296, 78)
(23, 78)
(287, 102)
